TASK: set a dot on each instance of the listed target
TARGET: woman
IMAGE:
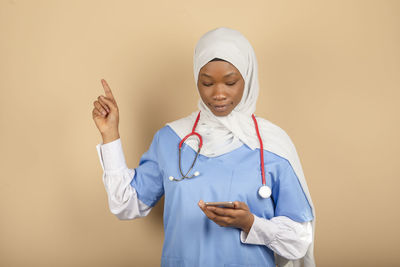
(269, 224)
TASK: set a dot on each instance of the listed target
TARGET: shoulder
(171, 134)
(183, 125)
(166, 132)
(163, 134)
(176, 129)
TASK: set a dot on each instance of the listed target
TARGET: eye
(207, 84)
(231, 84)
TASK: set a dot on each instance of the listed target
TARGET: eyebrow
(229, 74)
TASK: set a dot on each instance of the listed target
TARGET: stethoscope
(264, 191)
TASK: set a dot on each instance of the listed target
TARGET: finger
(111, 104)
(103, 104)
(201, 203)
(107, 89)
(214, 217)
(100, 108)
(97, 113)
(240, 205)
(222, 221)
(225, 212)
(208, 213)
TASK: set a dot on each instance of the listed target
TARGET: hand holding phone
(229, 214)
(223, 204)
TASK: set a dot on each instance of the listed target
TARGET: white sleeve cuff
(111, 156)
(261, 232)
(287, 238)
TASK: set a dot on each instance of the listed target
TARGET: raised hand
(106, 115)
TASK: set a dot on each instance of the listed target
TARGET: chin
(221, 114)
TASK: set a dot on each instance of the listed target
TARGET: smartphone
(223, 204)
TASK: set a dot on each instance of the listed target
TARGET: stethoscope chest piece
(264, 191)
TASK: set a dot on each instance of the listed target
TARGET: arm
(289, 232)
(122, 197)
(288, 238)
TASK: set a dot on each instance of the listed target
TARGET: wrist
(110, 136)
(249, 223)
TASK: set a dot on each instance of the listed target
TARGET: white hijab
(224, 134)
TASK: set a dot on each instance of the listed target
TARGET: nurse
(256, 231)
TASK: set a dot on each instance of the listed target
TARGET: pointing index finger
(107, 89)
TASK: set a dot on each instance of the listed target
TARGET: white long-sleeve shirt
(288, 238)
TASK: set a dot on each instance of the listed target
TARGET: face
(221, 86)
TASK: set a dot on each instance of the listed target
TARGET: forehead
(217, 68)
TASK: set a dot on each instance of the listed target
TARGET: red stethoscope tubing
(193, 133)
(261, 150)
(258, 135)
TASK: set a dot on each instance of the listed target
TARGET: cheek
(201, 92)
(204, 96)
(238, 95)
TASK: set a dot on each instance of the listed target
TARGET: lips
(220, 108)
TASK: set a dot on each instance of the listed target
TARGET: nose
(219, 93)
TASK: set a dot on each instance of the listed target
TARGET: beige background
(329, 75)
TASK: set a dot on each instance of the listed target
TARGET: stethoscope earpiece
(196, 173)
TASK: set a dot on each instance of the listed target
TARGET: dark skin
(221, 94)
(239, 216)
(221, 87)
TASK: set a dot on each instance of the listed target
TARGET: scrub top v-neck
(191, 239)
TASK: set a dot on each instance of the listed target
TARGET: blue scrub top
(191, 239)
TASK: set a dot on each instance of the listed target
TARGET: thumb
(240, 205)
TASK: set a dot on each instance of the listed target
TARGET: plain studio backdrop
(329, 76)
